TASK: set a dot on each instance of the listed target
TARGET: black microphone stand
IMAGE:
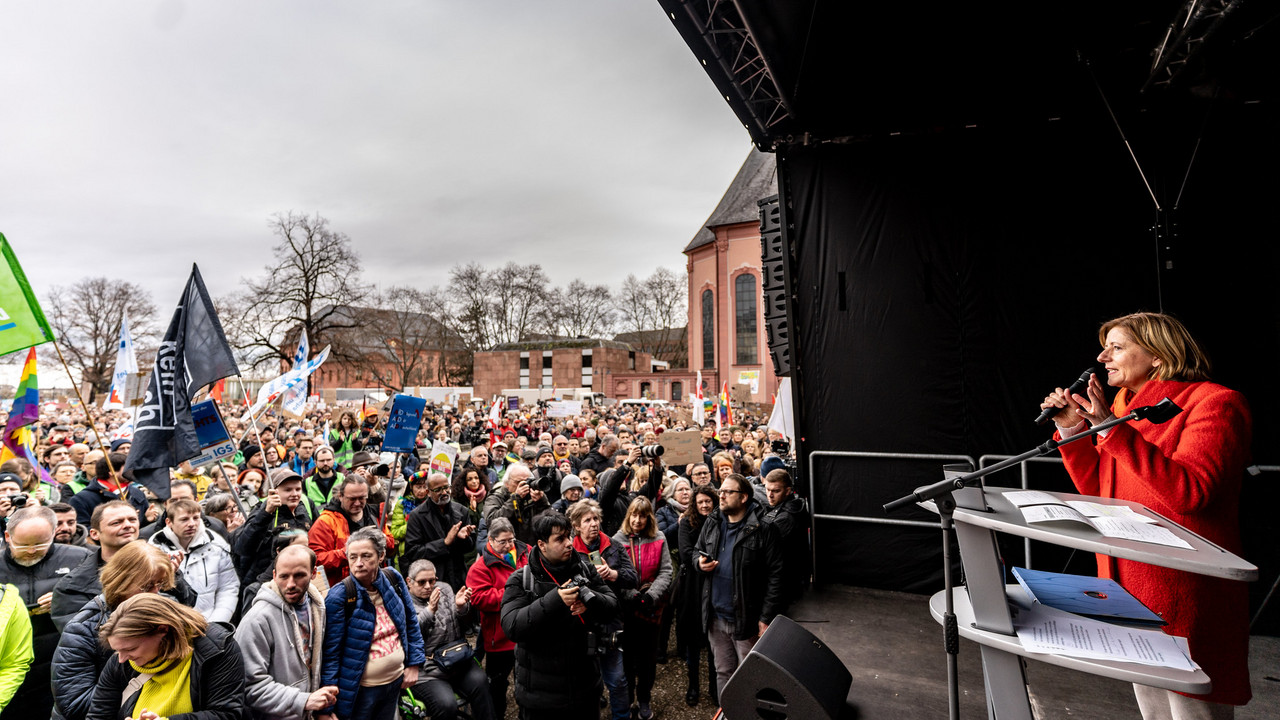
(945, 502)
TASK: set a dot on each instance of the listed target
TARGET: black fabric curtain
(945, 282)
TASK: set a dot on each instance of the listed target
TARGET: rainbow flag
(26, 407)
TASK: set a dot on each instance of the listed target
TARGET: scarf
(509, 558)
(477, 495)
(581, 546)
(168, 692)
(679, 508)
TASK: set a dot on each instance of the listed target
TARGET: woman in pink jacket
(1188, 469)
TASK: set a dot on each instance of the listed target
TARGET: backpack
(349, 606)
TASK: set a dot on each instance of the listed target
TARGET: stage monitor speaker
(789, 674)
(773, 259)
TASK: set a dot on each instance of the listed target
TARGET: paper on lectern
(1046, 630)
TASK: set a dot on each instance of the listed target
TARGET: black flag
(193, 354)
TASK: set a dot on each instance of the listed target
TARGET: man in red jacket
(501, 556)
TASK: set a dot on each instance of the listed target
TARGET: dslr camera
(18, 500)
(544, 480)
(600, 642)
(652, 452)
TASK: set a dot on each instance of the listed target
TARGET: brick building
(560, 363)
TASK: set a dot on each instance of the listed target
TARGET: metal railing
(814, 515)
(1022, 469)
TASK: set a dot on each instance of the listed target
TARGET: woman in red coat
(1188, 469)
(501, 555)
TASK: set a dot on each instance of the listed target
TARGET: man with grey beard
(33, 563)
(440, 530)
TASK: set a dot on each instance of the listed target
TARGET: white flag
(126, 365)
(781, 419)
(277, 387)
(699, 412)
(294, 401)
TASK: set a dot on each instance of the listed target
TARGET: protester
(16, 651)
(283, 508)
(611, 563)
(789, 514)
(646, 548)
(34, 564)
(741, 561)
(555, 626)
(345, 440)
(470, 490)
(319, 484)
(281, 639)
(195, 666)
(204, 559)
(107, 485)
(113, 525)
(80, 656)
(500, 556)
(373, 648)
(513, 500)
(69, 532)
(440, 616)
(688, 601)
(439, 530)
(342, 516)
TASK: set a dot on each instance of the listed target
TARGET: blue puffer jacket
(347, 640)
(78, 661)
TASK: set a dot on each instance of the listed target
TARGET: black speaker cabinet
(788, 674)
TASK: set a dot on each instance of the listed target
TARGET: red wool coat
(1188, 469)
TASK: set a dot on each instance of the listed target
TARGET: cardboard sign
(403, 423)
(740, 393)
(564, 408)
(685, 415)
(443, 456)
(211, 433)
(682, 447)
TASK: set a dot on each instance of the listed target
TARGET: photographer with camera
(611, 563)
(547, 478)
(515, 500)
(553, 609)
(614, 484)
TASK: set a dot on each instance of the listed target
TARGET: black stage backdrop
(945, 281)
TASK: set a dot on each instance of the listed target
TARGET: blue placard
(403, 423)
(209, 427)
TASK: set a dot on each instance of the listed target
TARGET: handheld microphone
(1078, 387)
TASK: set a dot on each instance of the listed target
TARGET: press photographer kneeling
(553, 610)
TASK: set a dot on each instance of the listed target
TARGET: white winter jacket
(207, 568)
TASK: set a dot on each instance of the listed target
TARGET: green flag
(22, 322)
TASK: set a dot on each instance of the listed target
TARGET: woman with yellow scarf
(169, 663)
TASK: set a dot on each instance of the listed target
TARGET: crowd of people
(314, 575)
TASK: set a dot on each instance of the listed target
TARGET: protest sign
(681, 447)
(443, 456)
(211, 433)
(740, 393)
(564, 408)
(403, 423)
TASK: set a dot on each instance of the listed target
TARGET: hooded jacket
(207, 568)
(278, 676)
(217, 682)
(328, 538)
(757, 571)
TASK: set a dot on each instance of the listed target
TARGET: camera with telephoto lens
(650, 452)
(544, 480)
(600, 642)
(18, 500)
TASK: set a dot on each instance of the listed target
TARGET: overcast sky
(139, 137)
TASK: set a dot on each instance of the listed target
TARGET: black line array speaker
(773, 268)
(788, 674)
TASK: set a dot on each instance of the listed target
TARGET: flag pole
(88, 415)
(254, 422)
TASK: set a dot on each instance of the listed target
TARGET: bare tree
(582, 310)
(402, 341)
(312, 283)
(653, 311)
(518, 301)
(86, 319)
(468, 304)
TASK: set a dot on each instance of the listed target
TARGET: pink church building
(727, 339)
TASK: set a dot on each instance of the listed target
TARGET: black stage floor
(893, 647)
